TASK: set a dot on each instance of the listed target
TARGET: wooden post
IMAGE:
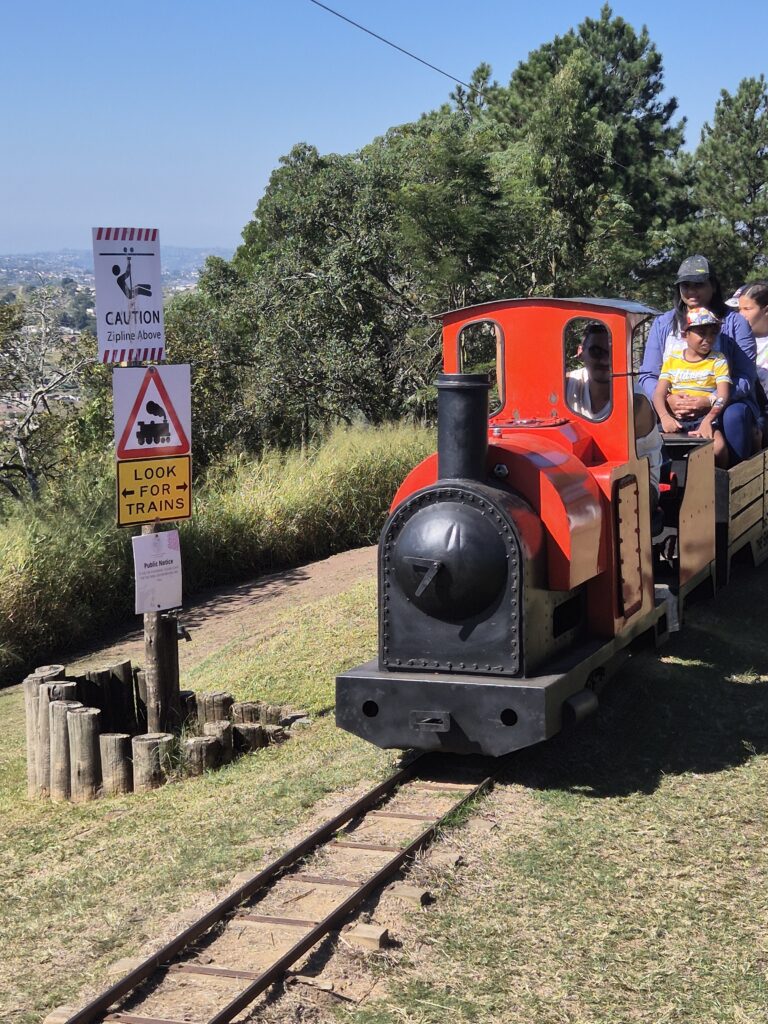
(271, 714)
(97, 692)
(161, 666)
(201, 753)
(246, 711)
(31, 686)
(59, 730)
(46, 693)
(156, 711)
(47, 673)
(122, 679)
(222, 730)
(214, 707)
(84, 756)
(169, 626)
(275, 733)
(116, 765)
(249, 736)
(151, 760)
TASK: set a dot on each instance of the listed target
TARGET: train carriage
(519, 564)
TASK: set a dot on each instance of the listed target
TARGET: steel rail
(337, 916)
(96, 1009)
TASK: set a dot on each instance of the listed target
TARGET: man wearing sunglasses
(588, 390)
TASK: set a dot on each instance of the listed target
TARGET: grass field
(66, 571)
(627, 880)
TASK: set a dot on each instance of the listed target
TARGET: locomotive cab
(516, 566)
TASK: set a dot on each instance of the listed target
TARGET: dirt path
(243, 612)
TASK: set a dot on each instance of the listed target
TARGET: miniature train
(519, 566)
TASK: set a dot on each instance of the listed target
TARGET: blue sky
(173, 114)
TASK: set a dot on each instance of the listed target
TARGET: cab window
(588, 360)
(481, 350)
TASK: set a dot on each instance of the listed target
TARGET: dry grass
(86, 885)
(66, 571)
(627, 880)
(637, 889)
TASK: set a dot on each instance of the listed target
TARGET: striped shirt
(700, 378)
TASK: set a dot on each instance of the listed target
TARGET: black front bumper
(472, 714)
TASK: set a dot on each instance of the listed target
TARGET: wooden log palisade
(87, 734)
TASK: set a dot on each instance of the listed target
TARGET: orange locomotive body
(517, 565)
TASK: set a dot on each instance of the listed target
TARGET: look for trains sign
(153, 490)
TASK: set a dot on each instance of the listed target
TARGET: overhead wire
(389, 42)
(426, 63)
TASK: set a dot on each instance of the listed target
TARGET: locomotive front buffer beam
(472, 714)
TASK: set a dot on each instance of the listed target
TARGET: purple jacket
(735, 341)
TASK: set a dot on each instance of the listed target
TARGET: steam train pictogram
(154, 433)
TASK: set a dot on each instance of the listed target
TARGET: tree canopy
(569, 179)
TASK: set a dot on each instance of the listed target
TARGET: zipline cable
(390, 43)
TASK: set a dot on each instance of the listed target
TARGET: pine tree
(731, 183)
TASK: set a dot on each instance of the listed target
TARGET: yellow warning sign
(152, 490)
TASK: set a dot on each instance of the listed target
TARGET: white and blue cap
(733, 302)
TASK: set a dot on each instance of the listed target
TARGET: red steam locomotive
(519, 565)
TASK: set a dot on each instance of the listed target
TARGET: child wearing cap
(700, 369)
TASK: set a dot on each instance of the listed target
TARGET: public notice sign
(157, 571)
(129, 294)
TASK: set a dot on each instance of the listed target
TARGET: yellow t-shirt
(700, 378)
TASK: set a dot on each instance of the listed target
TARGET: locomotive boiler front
(466, 617)
(449, 556)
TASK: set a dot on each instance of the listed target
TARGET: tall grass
(66, 571)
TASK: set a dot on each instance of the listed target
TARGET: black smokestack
(462, 425)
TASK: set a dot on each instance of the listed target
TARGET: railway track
(218, 966)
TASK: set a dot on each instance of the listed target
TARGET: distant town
(55, 290)
(181, 268)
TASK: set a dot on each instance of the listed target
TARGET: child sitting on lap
(699, 368)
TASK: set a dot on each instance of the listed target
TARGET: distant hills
(181, 266)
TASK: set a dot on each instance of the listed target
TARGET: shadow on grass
(702, 709)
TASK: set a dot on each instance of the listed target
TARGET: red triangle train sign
(144, 439)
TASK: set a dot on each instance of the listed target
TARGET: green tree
(611, 79)
(730, 190)
(581, 232)
(565, 181)
(39, 373)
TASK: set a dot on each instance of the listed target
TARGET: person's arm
(738, 346)
(668, 423)
(653, 356)
(722, 398)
